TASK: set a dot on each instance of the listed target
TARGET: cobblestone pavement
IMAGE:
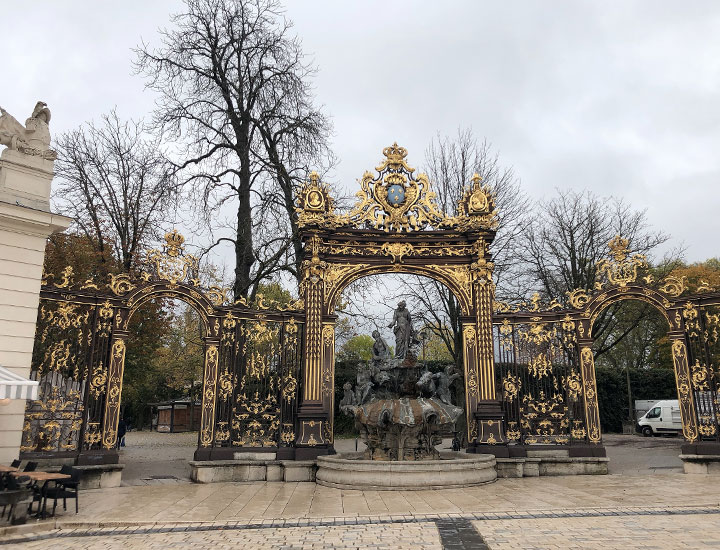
(420, 536)
(277, 500)
(666, 528)
(659, 532)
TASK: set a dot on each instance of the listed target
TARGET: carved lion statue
(31, 139)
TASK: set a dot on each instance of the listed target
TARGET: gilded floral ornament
(397, 250)
(621, 269)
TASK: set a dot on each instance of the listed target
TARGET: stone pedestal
(701, 464)
(102, 476)
(216, 471)
(25, 224)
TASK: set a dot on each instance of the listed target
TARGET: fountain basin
(451, 470)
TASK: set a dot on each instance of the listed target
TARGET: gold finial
(314, 178)
(619, 248)
(476, 180)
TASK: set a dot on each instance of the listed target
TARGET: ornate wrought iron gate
(546, 366)
(268, 377)
(253, 357)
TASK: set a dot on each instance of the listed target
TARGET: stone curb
(68, 529)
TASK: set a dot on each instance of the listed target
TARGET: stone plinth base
(350, 471)
(518, 467)
(100, 476)
(701, 464)
(214, 471)
(552, 465)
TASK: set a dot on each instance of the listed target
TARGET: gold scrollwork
(573, 385)
(226, 383)
(120, 284)
(511, 386)
(700, 376)
(289, 387)
(674, 286)
(578, 298)
(98, 381)
(67, 278)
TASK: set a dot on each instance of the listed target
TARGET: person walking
(122, 430)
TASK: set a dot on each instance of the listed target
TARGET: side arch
(643, 294)
(118, 346)
(676, 334)
(191, 296)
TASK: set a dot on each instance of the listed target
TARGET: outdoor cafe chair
(30, 467)
(65, 489)
(12, 492)
(15, 463)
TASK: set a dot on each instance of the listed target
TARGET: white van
(663, 417)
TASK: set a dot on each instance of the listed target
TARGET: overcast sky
(617, 97)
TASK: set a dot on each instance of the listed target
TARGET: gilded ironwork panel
(538, 380)
(258, 382)
(68, 362)
(702, 335)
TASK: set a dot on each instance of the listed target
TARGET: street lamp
(423, 339)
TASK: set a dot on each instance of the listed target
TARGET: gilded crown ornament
(395, 200)
(174, 243)
(172, 263)
(621, 269)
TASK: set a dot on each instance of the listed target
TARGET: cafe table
(41, 477)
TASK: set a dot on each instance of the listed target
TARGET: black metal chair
(66, 489)
(12, 493)
(15, 463)
(30, 467)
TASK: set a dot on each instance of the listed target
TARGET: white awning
(14, 386)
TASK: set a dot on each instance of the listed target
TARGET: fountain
(401, 409)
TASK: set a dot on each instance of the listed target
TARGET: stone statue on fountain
(401, 409)
(403, 329)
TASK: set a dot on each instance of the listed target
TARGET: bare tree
(450, 163)
(234, 90)
(116, 183)
(567, 237)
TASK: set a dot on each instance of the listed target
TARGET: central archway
(408, 235)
